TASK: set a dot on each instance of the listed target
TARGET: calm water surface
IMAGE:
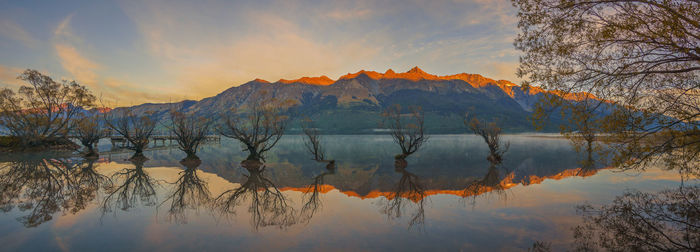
(448, 197)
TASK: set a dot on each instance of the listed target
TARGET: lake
(447, 197)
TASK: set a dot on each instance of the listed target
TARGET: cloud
(349, 14)
(8, 76)
(81, 68)
(195, 50)
(502, 70)
(273, 47)
(13, 31)
(75, 63)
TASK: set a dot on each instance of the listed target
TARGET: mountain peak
(260, 80)
(321, 80)
(390, 71)
(416, 70)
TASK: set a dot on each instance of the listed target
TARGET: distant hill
(353, 103)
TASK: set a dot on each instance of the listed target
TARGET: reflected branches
(408, 189)
(189, 191)
(665, 221)
(311, 197)
(44, 187)
(268, 206)
(136, 186)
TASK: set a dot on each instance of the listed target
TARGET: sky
(131, 52)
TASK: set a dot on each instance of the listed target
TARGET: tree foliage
(491, 133)
(643, 56)
(409, 134)
(136, 129)
(258, 128)
(89, 131)
(189, 131)
(41, 113)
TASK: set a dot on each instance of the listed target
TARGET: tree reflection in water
(46, 186)
(268, 205)
(407, 190)
(189, 191)
(136, 186)
(89, 181)
(636, 221)
(312, 200)
(492, 182)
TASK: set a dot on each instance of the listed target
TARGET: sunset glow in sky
(163, 51)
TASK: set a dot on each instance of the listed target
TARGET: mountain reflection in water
(363, 189)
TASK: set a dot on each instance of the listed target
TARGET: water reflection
(637, 221)
(359, 192)
(134, 186)
(189, 191)
(42, 187)
(409, 191)
(312, 194)
(492, 182)
(267, 204)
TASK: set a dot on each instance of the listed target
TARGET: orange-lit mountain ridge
(353, 103)
(417, 74)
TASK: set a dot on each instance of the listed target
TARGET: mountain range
(353, 103)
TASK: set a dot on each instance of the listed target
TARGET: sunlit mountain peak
(321, 80)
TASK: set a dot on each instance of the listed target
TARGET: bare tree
(190, 131)
(268, 205)
(258, 129)
(636, 221)
(41, 113)
(137, 130)
(408, 134)
(313, 141)
(89, 131)
(491, 134)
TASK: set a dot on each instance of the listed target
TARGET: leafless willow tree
(636, 221)
(640, 56)
(40, 114)
(190, 131)
(408, 134)
(491, 134)
(189, 191)
(313, 142)
(88, 130)
(258, 128)
(268, 205)
(136, 129)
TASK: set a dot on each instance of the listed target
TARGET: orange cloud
(80, 67)
(8, 76)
